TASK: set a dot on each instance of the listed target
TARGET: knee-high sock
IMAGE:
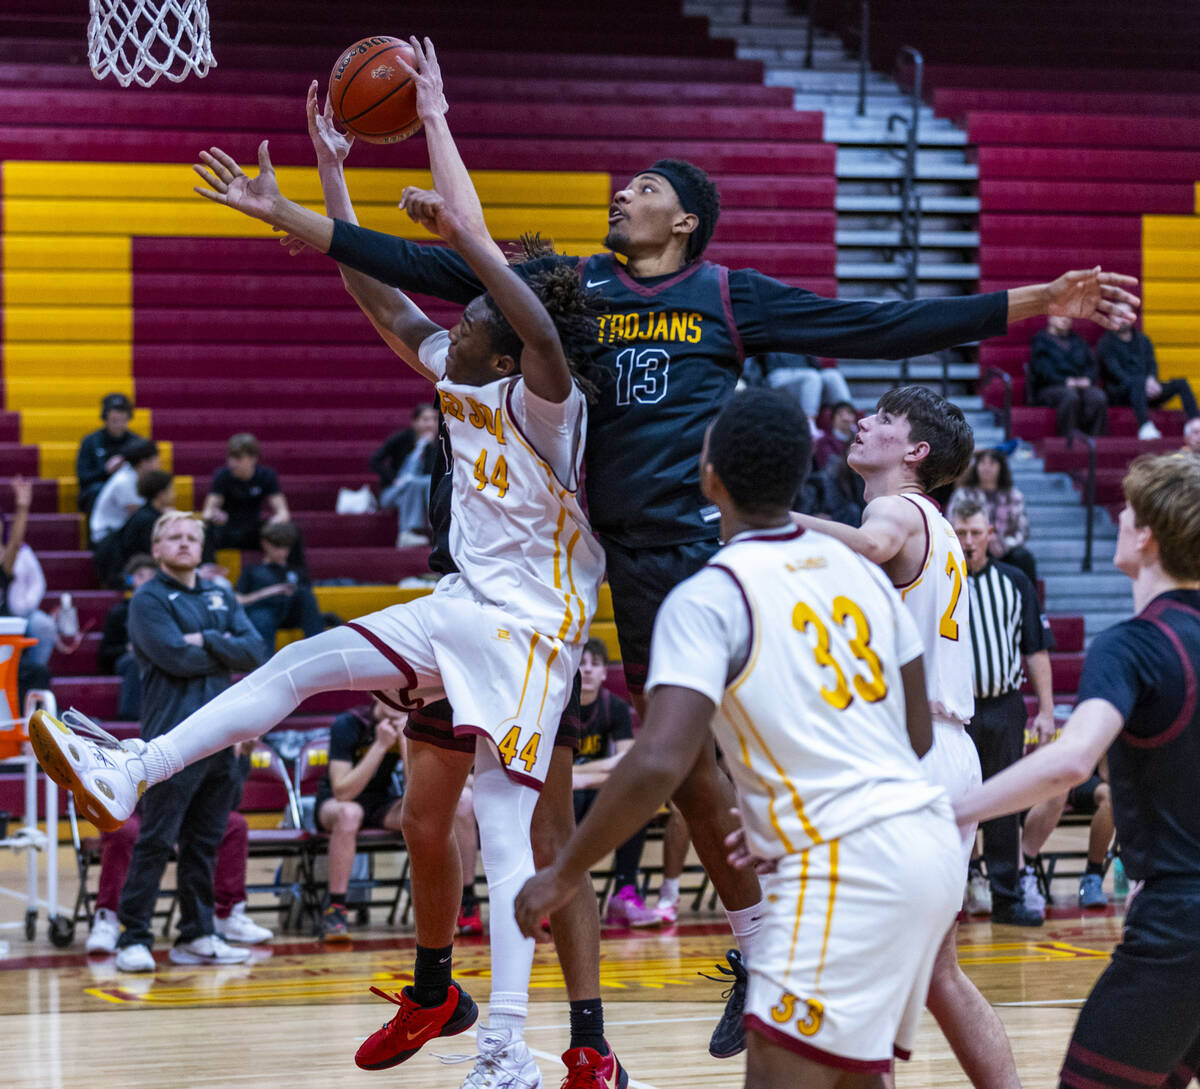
(338, 658)
(504, 810)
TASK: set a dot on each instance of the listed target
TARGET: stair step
(918, 370)
(881, 202)
(846, 133)
(848, 167)
(877, 270)
(891, 238)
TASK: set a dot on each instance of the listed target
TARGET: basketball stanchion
(140, 40)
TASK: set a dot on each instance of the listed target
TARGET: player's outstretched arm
(543, 362)
(1088, 293)
(395, 317)
(886, 527)
(1049, 770)
(675, 730)
(917, 719)
(450, 176)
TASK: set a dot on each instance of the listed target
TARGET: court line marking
(639, 1021)
(1045, 1002)
(549, 1057)
(40, 902)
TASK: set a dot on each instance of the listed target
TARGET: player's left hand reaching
(331, 146)
(229, 185)
(430, 210)
(1094, 295)
(427, 77)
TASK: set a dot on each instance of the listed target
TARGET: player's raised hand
(331, 146)
(1094, 295)
(430, 210)
(427, 78)
(229, 185)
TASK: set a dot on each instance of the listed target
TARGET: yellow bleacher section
(1171, 291)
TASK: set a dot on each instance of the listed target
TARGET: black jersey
(1147, 668)
(671, 358)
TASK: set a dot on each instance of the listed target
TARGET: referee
(1005, 624)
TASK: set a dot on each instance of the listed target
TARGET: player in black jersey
(1138, 702)
(673, 346)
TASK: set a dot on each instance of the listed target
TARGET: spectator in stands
(1130, 373)
(405, 464)
(119, 498)
(115, 656)
(805, 379)
(189, 636)
(23, 585)
(1092, 796)
(605, 735)
(835, 492)
(1064, 377)
(229, 882)
(676, 841)
(989, 484)
(103, 452)
(136, 536)
(275, 594)
(1191, 437)
(358, 791)
(233, 507)
(1005, 624)
(843, 423)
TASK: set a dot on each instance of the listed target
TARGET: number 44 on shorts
(511, 743)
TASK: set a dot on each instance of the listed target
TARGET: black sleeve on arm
(771, 316)
(431, 270)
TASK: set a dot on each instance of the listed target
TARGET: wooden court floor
(294, 1016)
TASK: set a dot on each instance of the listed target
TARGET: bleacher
(116, 277)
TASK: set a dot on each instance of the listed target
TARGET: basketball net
(144, 39)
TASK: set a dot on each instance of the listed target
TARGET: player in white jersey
(502, 639)
(813, 667)
(915, 442)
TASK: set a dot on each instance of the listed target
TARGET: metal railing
(1089, 494)
(910, 199)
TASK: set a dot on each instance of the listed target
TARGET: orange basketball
(372, 95)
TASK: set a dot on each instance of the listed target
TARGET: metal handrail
(864, 48)
(1006, 411)
(1089, 493)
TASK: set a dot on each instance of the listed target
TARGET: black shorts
(1142, 1018)
(375, 807)
(1082, 798)
(433, 724)
(640, 579)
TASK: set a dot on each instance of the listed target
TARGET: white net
(144, 39)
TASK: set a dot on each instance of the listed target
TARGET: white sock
(161, 759)
(503, 811)
(745, 925)
(668, 891)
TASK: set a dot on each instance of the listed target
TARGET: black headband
(685, 189)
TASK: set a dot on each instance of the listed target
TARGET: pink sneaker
(626, 909)
(667, 912)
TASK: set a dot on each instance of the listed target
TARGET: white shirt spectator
(117, 500)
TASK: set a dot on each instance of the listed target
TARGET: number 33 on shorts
(511, 748)
(813, 1013)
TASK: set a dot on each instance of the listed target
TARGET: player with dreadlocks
(501, 638)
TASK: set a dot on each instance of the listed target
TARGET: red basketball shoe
(402, 1037)
(588, 1069)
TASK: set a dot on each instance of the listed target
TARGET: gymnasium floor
(294, 1016)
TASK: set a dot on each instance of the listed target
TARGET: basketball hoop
(144, 39)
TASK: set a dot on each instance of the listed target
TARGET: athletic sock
(587, 1025)
(337, 900)
(975, 867)
(431, 975)
(161, 760)
(668, 891)
(745, 924)
(1031, 863)
(1095, 867)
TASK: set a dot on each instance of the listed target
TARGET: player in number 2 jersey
(917, 441)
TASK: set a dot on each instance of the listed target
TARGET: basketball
(373, 96)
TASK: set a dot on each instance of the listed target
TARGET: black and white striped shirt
(1005, 624)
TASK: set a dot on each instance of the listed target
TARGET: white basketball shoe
(106, 775)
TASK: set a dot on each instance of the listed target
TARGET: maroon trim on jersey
(901, 1053)
(925, 523)
(392, 656)
(1104, 1065)
(797, 531)
(622, 274)
(727, 306)
(825, 1058)
(512, 419)
(746, 601)
(520, 778)
(1152, 613)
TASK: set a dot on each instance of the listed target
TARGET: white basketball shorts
(840, 970)
(504, 680)
(953, 763)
